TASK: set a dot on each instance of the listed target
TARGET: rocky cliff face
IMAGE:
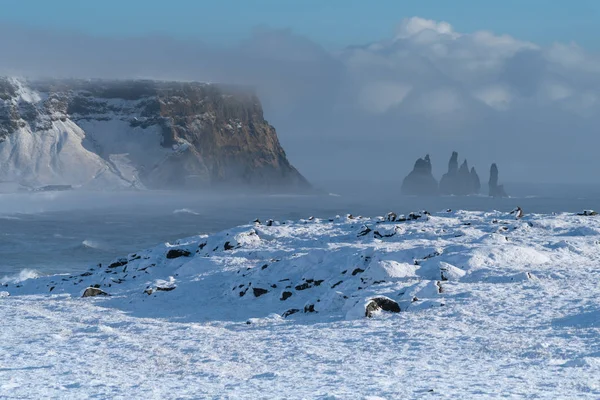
(138, 133)
(420, 181)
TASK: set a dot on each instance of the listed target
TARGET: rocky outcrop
(138, 133)
(420, 180)
(459, 181)
(495, 190)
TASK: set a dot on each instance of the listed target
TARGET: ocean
(66, 232)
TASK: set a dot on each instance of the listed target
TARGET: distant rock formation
(459, 181)
(495, 189)
(448, 181)
(420, 181)
(475, 182)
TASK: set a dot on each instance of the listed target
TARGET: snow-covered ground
(489, 306)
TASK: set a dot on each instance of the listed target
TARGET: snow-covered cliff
(137, 133)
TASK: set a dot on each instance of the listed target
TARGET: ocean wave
(185, 211)
(93, 244)
(20, 277)
(9, 217)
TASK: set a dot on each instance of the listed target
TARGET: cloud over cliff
(363, 109)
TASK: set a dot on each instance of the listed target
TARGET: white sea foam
(23, 275)
(185, 211)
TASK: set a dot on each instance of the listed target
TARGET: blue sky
(333, 23)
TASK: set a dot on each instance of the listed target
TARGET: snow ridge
(332, 267)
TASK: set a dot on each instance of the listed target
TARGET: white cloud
(378, 97)
(556, 91)
(415, 26)
(497, 70)
(498, 97)
(439, 102)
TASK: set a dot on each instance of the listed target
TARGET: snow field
(489, 306)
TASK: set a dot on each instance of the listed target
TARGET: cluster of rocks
(459, 181)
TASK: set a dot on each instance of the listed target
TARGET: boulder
(176, 253)
(118, 263)
(420, 180)
(381, 303)
(92, 292)
(285, 295)
(289, 312)
(259, 291)
(588, 213)
(165, 288)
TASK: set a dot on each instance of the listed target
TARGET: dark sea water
(65, 232)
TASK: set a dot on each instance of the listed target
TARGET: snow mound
(329, 268)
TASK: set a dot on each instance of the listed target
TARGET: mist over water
(68, 232)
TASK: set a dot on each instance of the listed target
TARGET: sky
(355, 89)
(332, 23)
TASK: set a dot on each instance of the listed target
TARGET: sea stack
(459, 181)
(475, 182)
(496, 190)
(420, 181)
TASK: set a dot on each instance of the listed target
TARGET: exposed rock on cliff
(459, 181)
(138, 133)
(420, 181)
(496, 190)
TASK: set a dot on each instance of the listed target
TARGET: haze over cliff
(138, 133)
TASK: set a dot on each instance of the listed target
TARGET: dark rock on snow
(176, 253)
(309, 308)
(92, 292)
(381, 303)
(290, 312)
(285, 295)
(259, 291)
(165, 288)
(118, 263)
